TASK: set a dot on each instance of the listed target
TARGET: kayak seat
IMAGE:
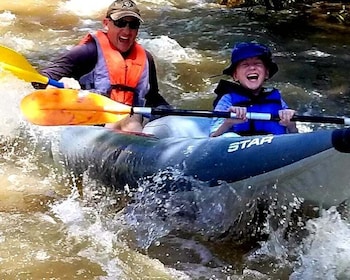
(179, 126)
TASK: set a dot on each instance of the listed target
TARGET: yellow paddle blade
(24, 74)
(71, 107)
(19, 66)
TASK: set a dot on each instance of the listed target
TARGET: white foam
(12, 90)
(84, 8)
(326, 251)
(6, 18)
(170, 50)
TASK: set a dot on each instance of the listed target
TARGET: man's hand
(68, 83)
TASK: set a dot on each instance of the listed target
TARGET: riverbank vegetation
(329, 15)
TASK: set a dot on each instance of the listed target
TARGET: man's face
(122, 33)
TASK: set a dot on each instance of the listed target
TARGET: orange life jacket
(114, 75)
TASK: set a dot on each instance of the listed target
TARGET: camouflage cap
(123, 8)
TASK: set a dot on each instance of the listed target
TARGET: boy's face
(251, 73)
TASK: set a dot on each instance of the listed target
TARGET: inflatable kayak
(311, 166)
(224, 187)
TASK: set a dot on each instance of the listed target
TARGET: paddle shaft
(55, 83)
(252, 116)
(319, 119)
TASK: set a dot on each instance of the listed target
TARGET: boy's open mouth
(251, 77)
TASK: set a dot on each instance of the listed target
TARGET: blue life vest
(268, 101)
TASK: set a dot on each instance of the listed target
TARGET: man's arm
(75, 63)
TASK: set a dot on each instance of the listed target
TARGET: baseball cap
(123, 8)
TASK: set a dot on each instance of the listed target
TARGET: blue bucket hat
(243, 51)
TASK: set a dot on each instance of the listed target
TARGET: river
(49, 231)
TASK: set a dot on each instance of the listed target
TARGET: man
(112, 63)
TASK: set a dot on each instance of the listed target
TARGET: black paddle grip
(341, 140)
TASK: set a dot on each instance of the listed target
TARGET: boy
(251, 65)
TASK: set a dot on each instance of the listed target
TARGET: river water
(49, 231)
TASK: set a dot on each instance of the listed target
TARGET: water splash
(10, 114)
(102, 229)
(169, 201)
(325, 253)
